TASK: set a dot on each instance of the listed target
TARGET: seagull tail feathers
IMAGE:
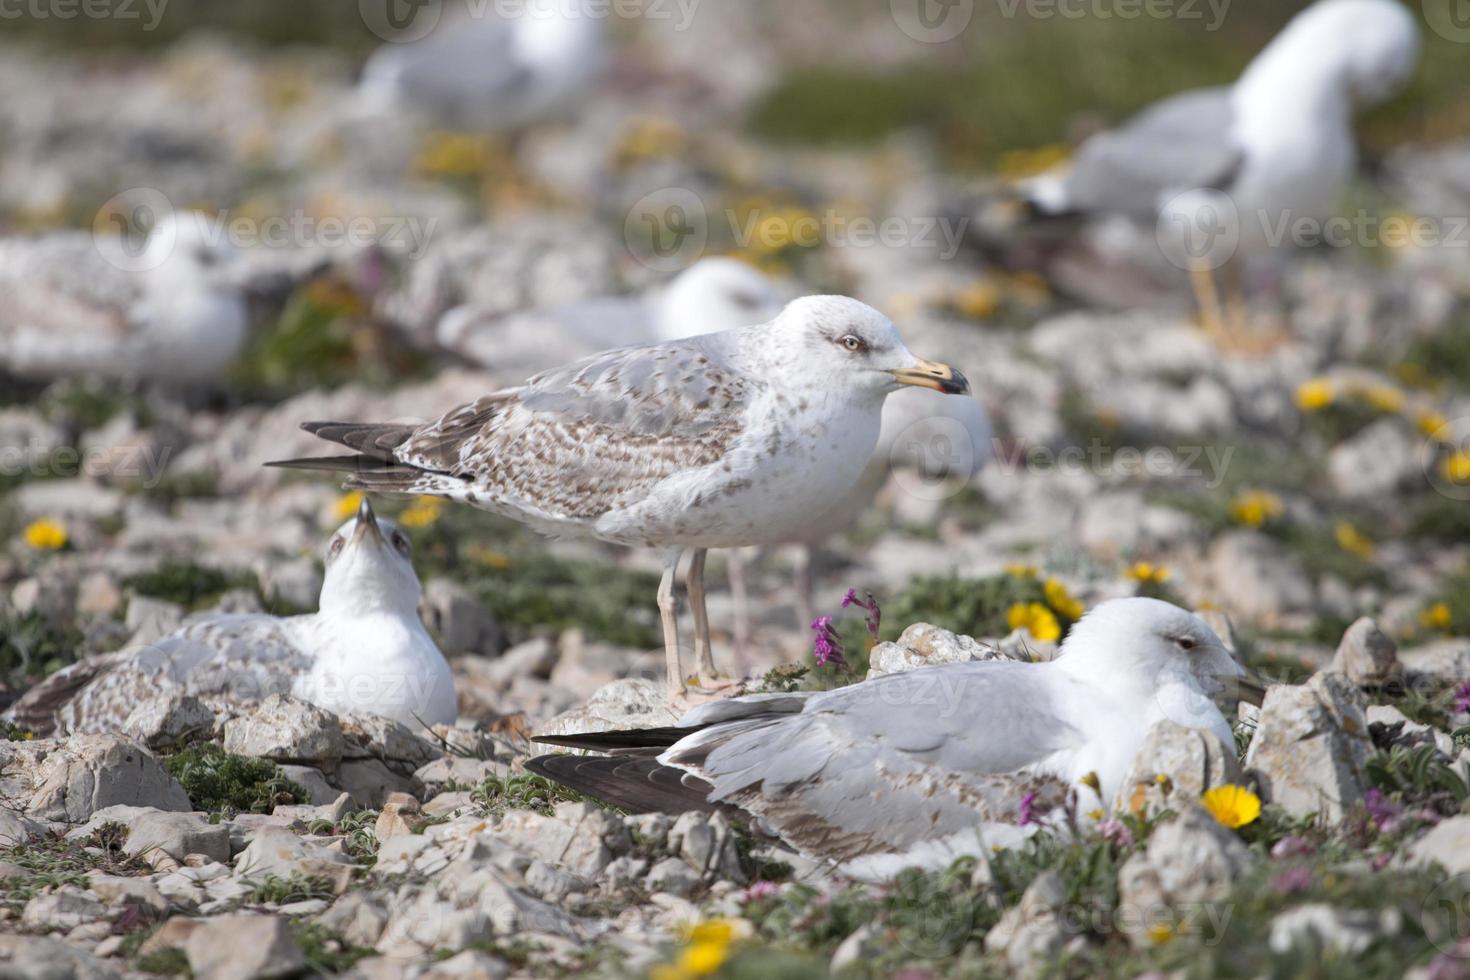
(373, 468)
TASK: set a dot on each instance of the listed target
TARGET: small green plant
(54, 861)
(971, 606)
(296, 887)
(782, 680)
(189, 585)
(222, 782)
(524, 791)
(33, 646)
(169, 961)
(327, 954)
(359, 840)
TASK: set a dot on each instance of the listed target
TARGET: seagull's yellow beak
(932, 374)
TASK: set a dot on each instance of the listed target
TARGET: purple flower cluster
(1461, 703)
(1026, 812)
(1293, 846)
(1116, 832)
(1293, 881)
(872, 615)
(827, 645)
(1384, 813)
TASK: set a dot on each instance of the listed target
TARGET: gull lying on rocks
(76, 306)
(713, 294)
(724, 440)
(923, 766)
(483, 69)
(364, 651)
(1218, 169)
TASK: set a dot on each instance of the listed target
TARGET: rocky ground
(1308, 493)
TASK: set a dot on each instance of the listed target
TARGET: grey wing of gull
(578, 441)
(883, 766)
(227, 658)
(1179, 144)
(465, 64)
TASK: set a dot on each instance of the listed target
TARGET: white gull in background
(713, 294)
(924, 766)
(74, 305)
(480, 69)
(1225, 164)
(724, 440)
(364, 651)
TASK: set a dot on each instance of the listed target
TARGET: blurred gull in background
(1217, 171)
(76, 304)
(478, 69)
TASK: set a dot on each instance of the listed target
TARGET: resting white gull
(729, 439)
(713, 294)
(73, 305)
(481, 68)
(921, 767)
(364, 651)
(1217, 171)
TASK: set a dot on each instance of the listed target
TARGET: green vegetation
(227, 784)
(525, 791)
(296, 887)
(54, 861)
(170, 961)
(33, 646)
(970, 606)
(327, 954)
(191, 586)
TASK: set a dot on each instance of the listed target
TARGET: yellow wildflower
(1351, 540)
(1062, 601)
(1023, 163)
(978, 300)
(1019, 570)
(1160, 933)
(346, 505)
(1436, 617)
(1315, 395)
(1255, 507)
(1385, 398)
(1456, 467)
(453, 155)
(422, 512)
(1147, 571)
(1035, 619)
(711, 931)
(1030, 288)
(488, 557)
(1096, 813)
(702, 959)
(1234, 806)
(647, 139)
(1091, 782)
(1429, 422)
(46, 535)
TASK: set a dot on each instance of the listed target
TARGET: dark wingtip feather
(638, 785)
(333, 464)
(632, 738)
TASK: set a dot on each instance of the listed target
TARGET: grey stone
(62, 910)
(1032, 932)
(319, 792)
(1322, 928)
(392, 742)
(17, 829)
(1447, 845)
(1256, 578)
(469, 965)
(149, 620)
(627, 703)
(69, 781)
(165, 722)
(454, 615)
(706, 842)
(577, 836)
(276, 851)
(358, 917)
(1366, 655)
(174, 834)
(285, 729)
(1444, 661)
(1311, 746)
(370, 782)
(922, 645)
(457, 770)
(43, 958)
(1189, 863)
(244, 947)
(1191, 760)
(674, 877)
(1374, 462)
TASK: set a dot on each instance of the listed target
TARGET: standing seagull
(69, 310)
(924, 766)
(364, 651)
(725, 440)
(1222, 170)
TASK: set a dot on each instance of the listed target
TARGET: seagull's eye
(401, 543)
(852, 342)
(1186, 643)
(335, 547)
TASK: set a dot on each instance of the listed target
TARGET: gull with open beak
(364, 651)
(721, 440)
